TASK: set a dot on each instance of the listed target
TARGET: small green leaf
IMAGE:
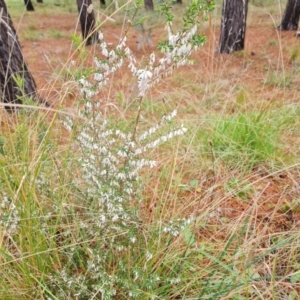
(189, 237)
(293, 295)
(194, 183)
(295, 278)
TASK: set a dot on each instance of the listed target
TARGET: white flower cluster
(170, 116)
(181, 49)
(77, 285)
(87, 89)
(176, 226)
(9, 216)
(181, 42)
(114, 60)
(144, 78)
(175, 280)
(162, 139)
(108, 169)
(111, 162)
(154, 129)
(177, 54)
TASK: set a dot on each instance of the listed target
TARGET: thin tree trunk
(87, 21)
(28, 5)
(291, 16)
(149, 4)
(16, 82)
(233, 25)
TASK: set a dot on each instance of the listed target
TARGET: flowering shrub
(102, 242)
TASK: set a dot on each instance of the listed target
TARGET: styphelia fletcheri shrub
(104, 253)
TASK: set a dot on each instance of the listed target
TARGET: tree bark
(16, 82)
(87, 21)
(233, 25)
(28, 5)
(149, 4)
(291, 16)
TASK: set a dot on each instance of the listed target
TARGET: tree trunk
(87, 21)
(29, 6)
(149, 4)
(16, 82)
(233, 25)
(291, 16)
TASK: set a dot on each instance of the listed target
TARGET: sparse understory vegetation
(162, 170)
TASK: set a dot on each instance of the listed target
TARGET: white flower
(84, 82)
(122, 153)
(89, 105)
(175, 280)
(148, 256)
(144, 81)
(120, 248)
(170, 116)
(100, 36)
(115, 218)
(121, 176)
(128, 52)
(98, 77)
(102, 219)
(152, 59)
(104, 49)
